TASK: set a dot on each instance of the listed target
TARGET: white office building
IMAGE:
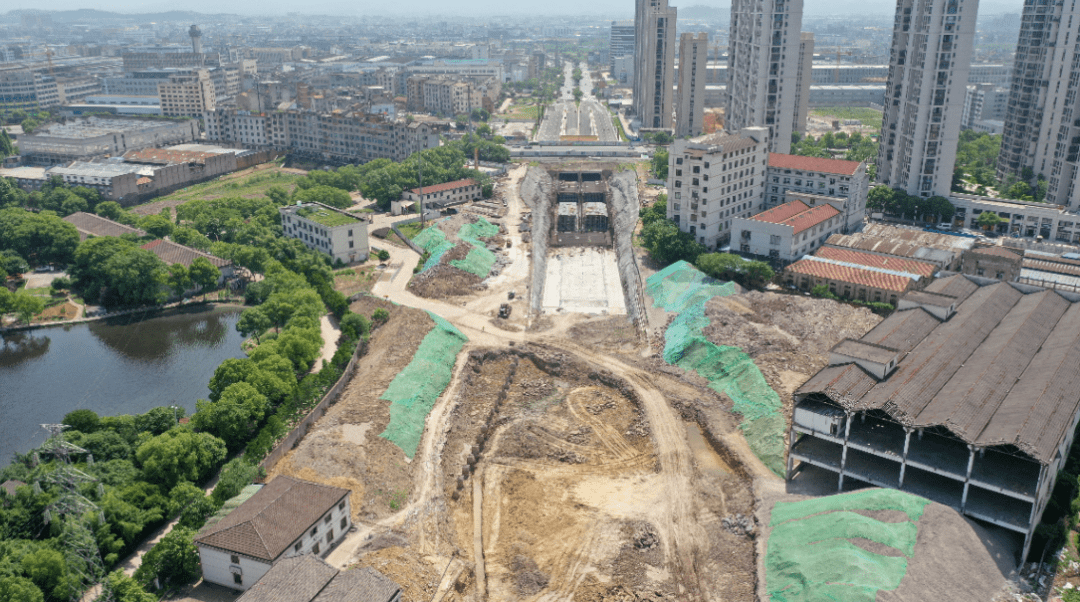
(924, 96)
(763, 68)
(654, 64)
(693, 51)
(1042, 123)
(714, 179)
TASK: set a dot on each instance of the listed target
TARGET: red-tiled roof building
(859, 275)
(448, 193)
(814, 180)
(786, 232)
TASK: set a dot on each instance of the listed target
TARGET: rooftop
(162, 156)
(855, 274)
(97, 170)
(324, 215)
(922, 238)
(171, 252)
(727, 142)
(890, 246)
(1000, 372)
(94, 127)
(271, 520)
(798, 215)
(445, 186)
(815, 164)
(307, 578)
(89, 224)
(887, 262)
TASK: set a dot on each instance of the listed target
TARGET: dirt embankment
(344, 448)
(788, 336)
(536, 189)
(446, 280)
(624, 215)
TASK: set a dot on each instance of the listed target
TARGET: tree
(37, 237)
(157, 226)
(84, 421)
(253, 322)
(667, 244)
(180, 454)
(235, 475)
(178, 279)
(334, 197)
(191, 504)
(27, 306)
(172, 562)
(18, 589)
(656, 211)
(48, 570)
(118, 587)
(355, 326)
(988, 220)
(380, 315)
(234, 415)
(135, 277)
(383, 254)
(660, 164)
(204, 274)
(722, 266)
(1020, 191)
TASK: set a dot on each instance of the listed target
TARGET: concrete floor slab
(583, 280)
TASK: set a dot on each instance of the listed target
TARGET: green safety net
(433, 240)
(682, 289)
(811, 557)
(414, 390)
(479, 260)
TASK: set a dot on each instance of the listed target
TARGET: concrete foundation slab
(583, 280)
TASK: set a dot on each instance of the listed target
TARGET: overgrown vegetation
(663, 239)
(895, 201)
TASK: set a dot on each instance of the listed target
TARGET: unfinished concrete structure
(968, 395)
(581, 209)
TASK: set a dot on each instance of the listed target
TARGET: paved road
(568, 118)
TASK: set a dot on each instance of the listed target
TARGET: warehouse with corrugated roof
(968, 395)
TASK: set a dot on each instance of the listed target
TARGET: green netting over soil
(433, 240)
(811, 556)
(479, 260)
(414, 390)
(682, 289)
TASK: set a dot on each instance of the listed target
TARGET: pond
(119, 366)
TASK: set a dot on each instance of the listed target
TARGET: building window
(774, 239)
(344, 521)
(315, 549)
(329, 536)
(341, 506)
(234, 559)
(238, 579)
(315, 530)
(327, 519)
(296, 548)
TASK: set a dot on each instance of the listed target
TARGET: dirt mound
(528, 580)
(616, 332)
(787, 336)
(443, 281)
(416, 576)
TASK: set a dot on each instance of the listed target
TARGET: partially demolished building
(968, 395)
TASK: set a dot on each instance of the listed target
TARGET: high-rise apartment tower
(1042, 121)
(654, 62)
(924, 95)
(621, 42)
(690, 112)
(763, 67)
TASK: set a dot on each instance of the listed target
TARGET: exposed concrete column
(791, 447)
(967, 476)
(843, 454)
(903, 460)
(1034, 511)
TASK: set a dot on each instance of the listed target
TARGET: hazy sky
(617, 8)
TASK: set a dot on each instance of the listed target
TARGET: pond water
(118, 366)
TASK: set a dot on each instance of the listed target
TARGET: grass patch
(326, 217)
(521, 112)
(410, 230)
(355, 280)
(870, 118)
(250, 185)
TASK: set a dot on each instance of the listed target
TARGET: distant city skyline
(616, 9)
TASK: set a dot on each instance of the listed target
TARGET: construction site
(546, 416)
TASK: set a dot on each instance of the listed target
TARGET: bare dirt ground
(788, 336)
